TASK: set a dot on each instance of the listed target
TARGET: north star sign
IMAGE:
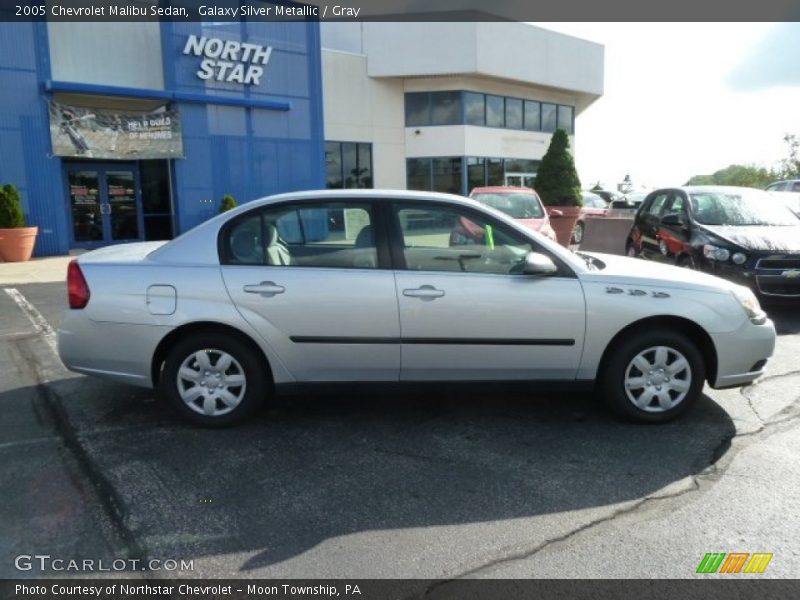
(226, 60)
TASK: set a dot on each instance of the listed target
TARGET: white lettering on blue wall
(228, 60)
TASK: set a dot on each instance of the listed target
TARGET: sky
(684, 99)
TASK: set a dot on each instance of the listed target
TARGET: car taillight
(77, 288)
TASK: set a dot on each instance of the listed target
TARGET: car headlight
(712, 252)
(739, 258)
(750, 304)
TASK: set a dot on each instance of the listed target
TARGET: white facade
(368, 68)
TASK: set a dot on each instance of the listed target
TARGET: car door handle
(265, 288)
(425, 292)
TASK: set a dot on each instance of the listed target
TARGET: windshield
(740, 209)
(515, 205)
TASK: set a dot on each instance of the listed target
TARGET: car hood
(535, 224)
(768, 238)
(622, 270)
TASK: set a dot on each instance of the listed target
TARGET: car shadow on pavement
(313, 468)
(785, 312)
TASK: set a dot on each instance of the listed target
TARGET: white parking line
(36, 318)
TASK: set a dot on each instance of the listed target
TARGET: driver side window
(446, 239)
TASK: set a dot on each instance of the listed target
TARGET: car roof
(690, 189)
(501, 188)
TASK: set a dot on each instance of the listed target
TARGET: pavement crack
(711, 470)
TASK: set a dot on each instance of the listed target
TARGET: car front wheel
(653, 377)
(213, 379)
(577, 235)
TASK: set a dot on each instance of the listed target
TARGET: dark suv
(732, 232)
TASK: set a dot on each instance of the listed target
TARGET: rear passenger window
(443, 239)
(332, 235)
(796, 186)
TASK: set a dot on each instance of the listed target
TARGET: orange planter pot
(563, 223)
(16, 245)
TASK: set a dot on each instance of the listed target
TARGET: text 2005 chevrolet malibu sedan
(366, 286)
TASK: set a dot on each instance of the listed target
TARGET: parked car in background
(593, 206)
(627, 205)
(246, 304)
(519, 203)
(732, 232)
(788, 192)
(606, 195)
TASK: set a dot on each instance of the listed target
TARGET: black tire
(612, 379)
(251, 395)
(687, 262)
(577, 234)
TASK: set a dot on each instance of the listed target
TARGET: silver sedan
(396, 286)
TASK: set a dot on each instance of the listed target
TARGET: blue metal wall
(247, 152)
(271, 142)
(25, 158)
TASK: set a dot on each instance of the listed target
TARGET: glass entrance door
(520, 179)
(104, 203)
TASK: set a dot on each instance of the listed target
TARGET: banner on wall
(99, 133)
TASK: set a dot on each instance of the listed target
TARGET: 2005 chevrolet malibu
(370, 286)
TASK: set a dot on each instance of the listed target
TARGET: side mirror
(673, 220)
(539, 264)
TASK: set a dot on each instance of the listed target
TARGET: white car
(788, 192)
(367, 286)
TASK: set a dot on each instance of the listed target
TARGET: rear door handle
(425, 292)
(265, 288)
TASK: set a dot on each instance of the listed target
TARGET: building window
(486, 110)
(418, 109)
(348, 165)
(475, 109)
(418, 174)
(446, 108)
(494, 111)
(533, 118)
(513, 113)
(447, 175)
(565, 118)
(476, 172)
(549, 119)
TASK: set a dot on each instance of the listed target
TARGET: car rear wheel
(213, 379)
(577, 234)
(653, 377)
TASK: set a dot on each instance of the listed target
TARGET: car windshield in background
(518, 206)
(739, 209)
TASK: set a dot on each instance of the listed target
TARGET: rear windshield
(515, 205)
(745, 208)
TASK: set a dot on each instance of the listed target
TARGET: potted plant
(16, 240)
(558, 186)
(228, 203)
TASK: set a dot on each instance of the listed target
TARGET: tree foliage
(557, 180)
(228, 203)
(740, 175)
(11, 214)
(790, 166)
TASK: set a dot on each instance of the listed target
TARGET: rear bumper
(114, 351)
(742, 354)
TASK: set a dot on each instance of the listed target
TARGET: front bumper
(775, 276)
(742, 354)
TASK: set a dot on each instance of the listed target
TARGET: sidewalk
(37, 270)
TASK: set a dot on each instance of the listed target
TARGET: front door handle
(425, 292)
(265, 288)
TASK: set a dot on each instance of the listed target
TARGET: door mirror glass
(673, 219)
(539, 264)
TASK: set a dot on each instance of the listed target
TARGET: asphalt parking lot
(442, 484)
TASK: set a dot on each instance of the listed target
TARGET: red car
(593, 206)
(520, 203)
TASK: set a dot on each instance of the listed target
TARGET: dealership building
(118, 132)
